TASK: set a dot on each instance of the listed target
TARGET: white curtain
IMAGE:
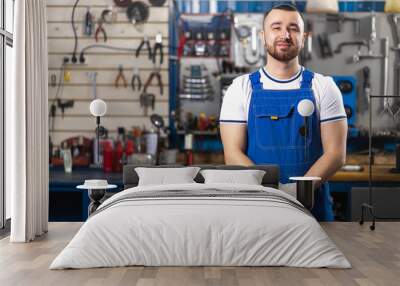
(27, 124)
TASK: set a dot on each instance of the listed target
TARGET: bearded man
(261, 121)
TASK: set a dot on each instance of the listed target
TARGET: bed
(201, 224)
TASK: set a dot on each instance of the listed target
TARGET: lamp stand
(96, 153)
(158, 147)
(98, 136)
(305, 138)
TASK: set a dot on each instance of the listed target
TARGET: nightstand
(96, 191)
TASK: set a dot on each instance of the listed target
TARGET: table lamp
(305, 189)
(98, 108)
(305, 185)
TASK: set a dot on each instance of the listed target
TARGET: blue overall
(274, 137)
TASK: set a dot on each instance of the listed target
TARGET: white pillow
(248, 177)
(163, 176)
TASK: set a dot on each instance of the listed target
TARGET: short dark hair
(285, 7)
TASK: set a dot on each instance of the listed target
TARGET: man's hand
(234, 139)
(334, 137)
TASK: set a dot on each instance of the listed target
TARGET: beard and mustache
(285, 55)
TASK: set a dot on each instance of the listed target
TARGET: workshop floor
(375, 257)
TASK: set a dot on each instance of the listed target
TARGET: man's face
(283, 34)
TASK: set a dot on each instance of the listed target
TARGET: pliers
(146, 42)
(158, 46)
(100, 23)
(157, 75)
(136, 77)
(119, 77)
(88, 23)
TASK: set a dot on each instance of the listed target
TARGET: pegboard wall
(344, 63)
(123, 108)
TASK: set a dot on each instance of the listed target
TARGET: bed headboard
(270, 179)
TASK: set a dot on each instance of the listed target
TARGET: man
(260, 122)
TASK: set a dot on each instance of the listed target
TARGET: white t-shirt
(328, 98)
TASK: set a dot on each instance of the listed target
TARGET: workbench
(350, 189)
(380, 173)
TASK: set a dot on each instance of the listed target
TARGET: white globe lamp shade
(98, 107)
(305, 107)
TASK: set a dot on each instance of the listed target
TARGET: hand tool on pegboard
(93, 78)
(147, 100)
(359, 44)
(106, 17)
(145, 42)
(100, 30)
(158, 47)
(366, 89)
(387, 101)
(340, 19)
(88, 23)
(136, 82)
(325, 46)
(64, 104)
(120, 77)
(155, 74)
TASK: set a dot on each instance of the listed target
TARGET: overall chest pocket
(277, 126)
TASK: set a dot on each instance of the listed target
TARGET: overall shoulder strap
(307, 77)
(255, 80)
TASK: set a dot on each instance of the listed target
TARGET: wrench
(93, 76)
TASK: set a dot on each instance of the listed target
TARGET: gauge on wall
(247, 46)
(242, 32)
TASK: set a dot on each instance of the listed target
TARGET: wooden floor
(375, 257)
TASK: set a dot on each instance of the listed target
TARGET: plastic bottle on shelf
(129, 147)
(188, 149)
(118, 153)
(107, 157)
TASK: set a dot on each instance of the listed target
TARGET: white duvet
(185, 231)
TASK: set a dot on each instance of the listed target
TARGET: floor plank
(375, 257)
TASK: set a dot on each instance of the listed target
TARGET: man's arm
(234, 139)
(334, 137)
